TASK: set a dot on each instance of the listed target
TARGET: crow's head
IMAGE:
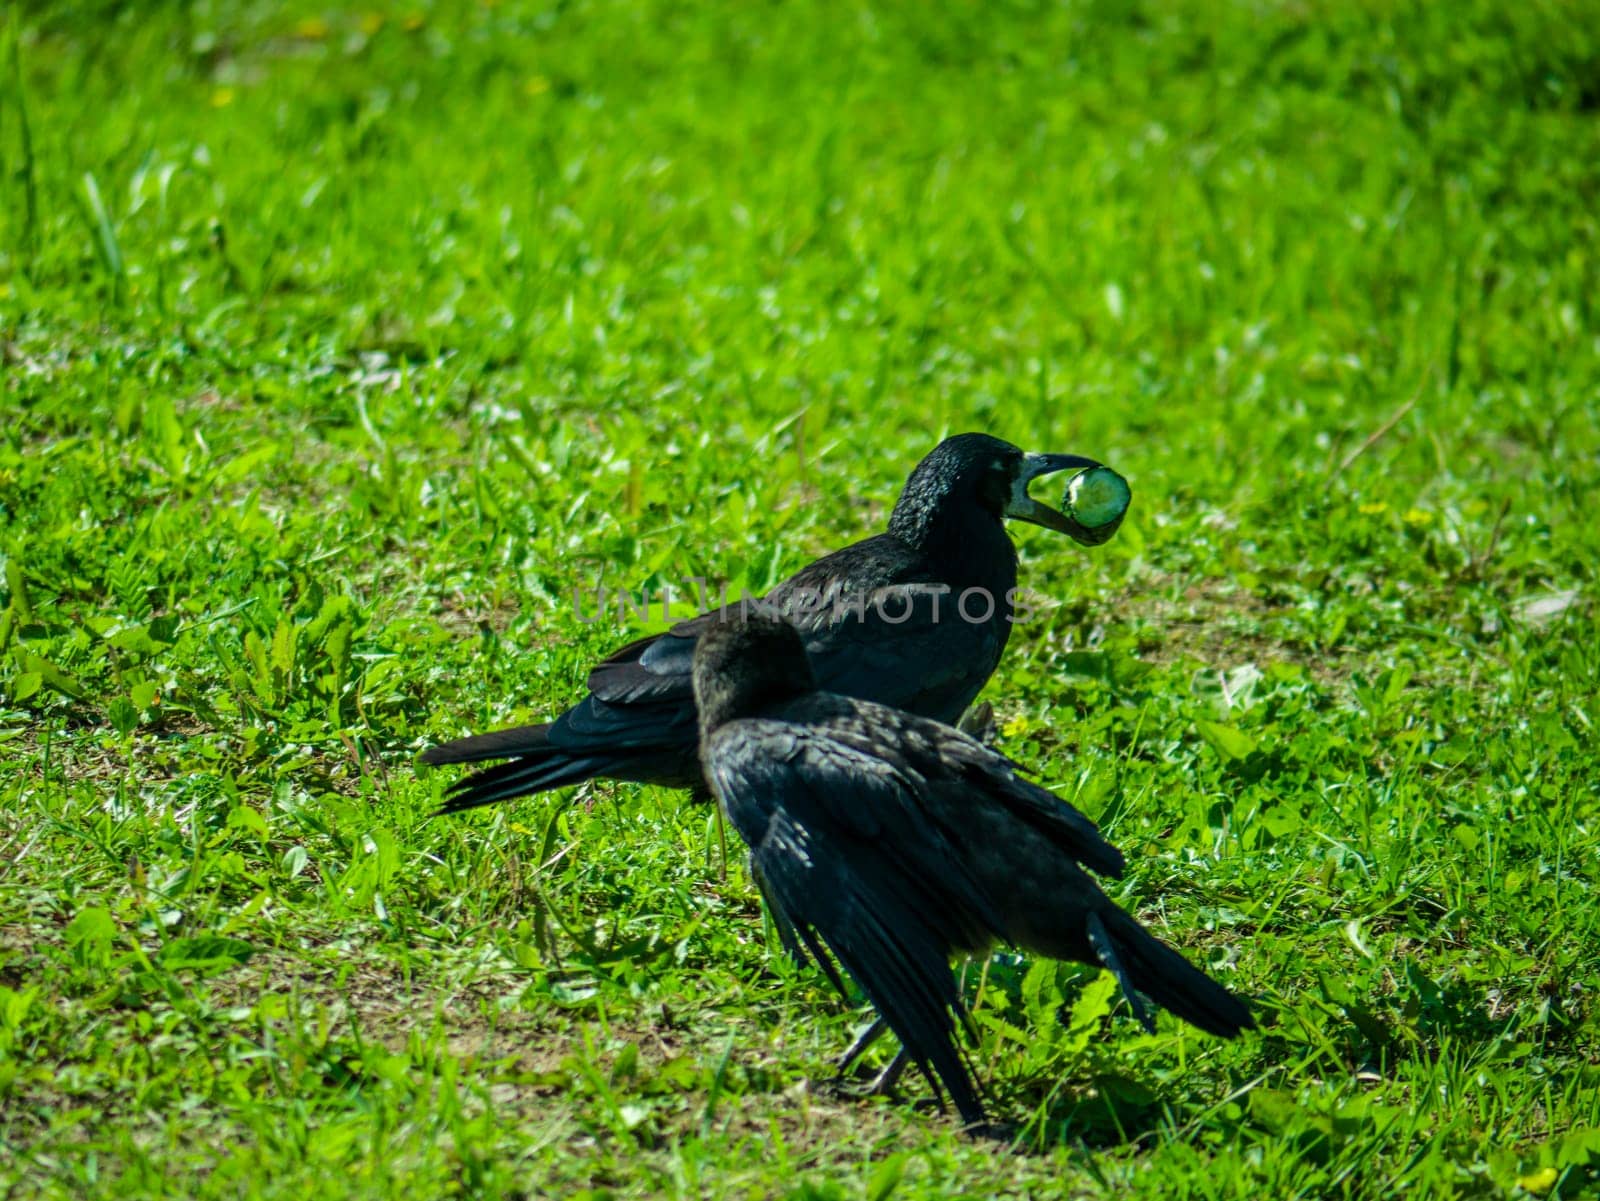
(976, 472)
(746, 662)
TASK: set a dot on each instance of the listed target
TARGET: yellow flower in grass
(1016, 725)
(1373, 507)
(313, 29)
(1418, 517)
(222, 97)
(1539, 1182)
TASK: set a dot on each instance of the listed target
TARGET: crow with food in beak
(915, 618)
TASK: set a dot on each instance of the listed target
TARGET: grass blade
(30, 188)
(105, 237)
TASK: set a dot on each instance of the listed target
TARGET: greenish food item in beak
(1097, 498)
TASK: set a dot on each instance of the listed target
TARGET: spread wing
(958, 772)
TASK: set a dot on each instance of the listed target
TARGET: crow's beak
(1025, 508)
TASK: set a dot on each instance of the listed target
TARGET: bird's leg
(858, 1048)
(883, 1083)
(978, 722)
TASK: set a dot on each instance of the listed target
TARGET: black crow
(896, 842)
(915, 617)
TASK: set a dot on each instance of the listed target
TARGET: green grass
(340, 347)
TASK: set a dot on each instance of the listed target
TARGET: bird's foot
(991, 1132)
(881, 1085)
(844, 1088)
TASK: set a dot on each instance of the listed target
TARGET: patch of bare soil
(1219, 625)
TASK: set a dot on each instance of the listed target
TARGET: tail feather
(501, 744)
(531, 773)
(1145, 964)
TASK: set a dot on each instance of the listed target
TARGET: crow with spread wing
(895, 842)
